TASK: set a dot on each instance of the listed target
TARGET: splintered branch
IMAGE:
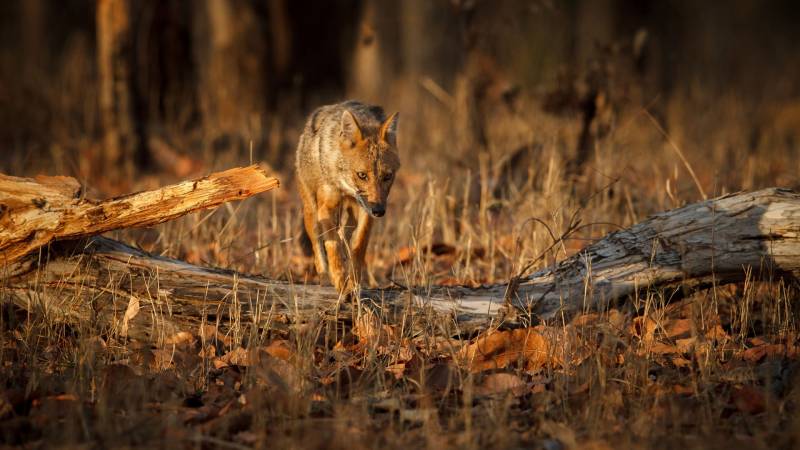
(35, 212)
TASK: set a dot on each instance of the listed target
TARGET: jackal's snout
(376, 209)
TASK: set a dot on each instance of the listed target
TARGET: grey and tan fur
(346, 163)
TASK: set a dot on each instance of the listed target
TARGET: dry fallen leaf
(180, 338)
(674, 336)
(275, 372)
(280, 349)
(501, 348)
(209, 333)
(501, 383)
(681, 362)
(647, 327)
(398, 370)
(236, 357)
(762, 349)
(208, 352)
(369, 329)
(130, 313)
(498, 349)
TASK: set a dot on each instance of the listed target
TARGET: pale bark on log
(697, 246)
(34, 212)
(709, 243)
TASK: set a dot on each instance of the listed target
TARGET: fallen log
(34, 212)
(140, 295)
(704, 244)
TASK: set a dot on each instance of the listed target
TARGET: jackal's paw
(321, 266)
(346, 287)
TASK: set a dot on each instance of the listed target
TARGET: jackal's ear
(350, 129)
(389, 130)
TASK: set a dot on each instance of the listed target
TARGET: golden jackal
(346, 163)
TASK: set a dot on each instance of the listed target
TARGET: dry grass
(716, 370)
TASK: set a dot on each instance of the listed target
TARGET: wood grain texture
(34, 212)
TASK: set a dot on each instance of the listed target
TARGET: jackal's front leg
(359, 242)
(328, 217)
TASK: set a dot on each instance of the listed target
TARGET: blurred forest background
(520, 121)
(111, 89)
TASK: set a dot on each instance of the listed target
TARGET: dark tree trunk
(122, 132)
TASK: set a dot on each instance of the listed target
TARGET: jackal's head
(371, 161)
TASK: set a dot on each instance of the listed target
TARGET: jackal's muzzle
(376, 209)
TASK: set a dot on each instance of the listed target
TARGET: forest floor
(718, 369)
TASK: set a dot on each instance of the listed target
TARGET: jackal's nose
(378, 210)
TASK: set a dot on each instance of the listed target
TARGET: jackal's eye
(388, 177)
(362, 175)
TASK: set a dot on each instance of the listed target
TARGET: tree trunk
(34, 34)
(701, 245)
(122, 141)
(230, 48)
(376, 62)
(280, 34)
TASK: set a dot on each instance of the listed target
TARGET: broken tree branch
(34, 212)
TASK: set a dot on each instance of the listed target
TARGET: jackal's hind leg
(312, 227)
